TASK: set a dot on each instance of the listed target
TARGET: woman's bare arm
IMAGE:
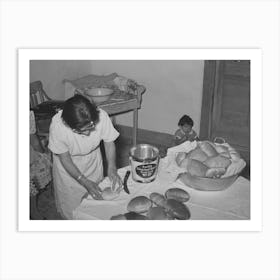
(110, 151)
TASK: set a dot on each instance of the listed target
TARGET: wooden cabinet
(226, 103)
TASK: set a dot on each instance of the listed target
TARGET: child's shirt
(180, 136)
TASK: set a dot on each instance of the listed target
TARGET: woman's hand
(93, 189)
(115, 179)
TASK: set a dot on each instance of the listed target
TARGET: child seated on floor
(185, 131)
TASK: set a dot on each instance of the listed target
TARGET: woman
(75, 135)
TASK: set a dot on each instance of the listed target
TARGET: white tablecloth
(230, 204)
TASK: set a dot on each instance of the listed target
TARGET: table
(230, 204)
(121, 102)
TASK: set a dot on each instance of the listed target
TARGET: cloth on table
(94, 209)
(230, 204)
(169, 162)
(93, 81)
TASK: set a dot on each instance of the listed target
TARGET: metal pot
(144, 160)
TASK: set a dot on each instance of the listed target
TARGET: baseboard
(146, 136)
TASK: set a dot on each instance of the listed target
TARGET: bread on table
(217, 162)
(158, 199)
(197, 168)
(208, 159)
(177, 210)
(225, 154)
(225, 151)
(139, 204)
(118, 217)
(208, 148)
(177, 194)
(158, 213)
(197, 154)
(180, 157)
(129, 216)
(135, 216)
(235, 156)
(221, 149)
(185, 163)
(215, 172)
(109, 194)
(194, 167)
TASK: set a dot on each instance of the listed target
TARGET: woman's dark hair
(78, 111)
(185, 120)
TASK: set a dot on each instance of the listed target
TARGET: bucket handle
(219, 140)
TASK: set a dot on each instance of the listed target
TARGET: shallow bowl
(98, 95)
(207, 184)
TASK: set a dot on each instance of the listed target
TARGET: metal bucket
(144, 160)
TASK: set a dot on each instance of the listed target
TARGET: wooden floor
(46, 203)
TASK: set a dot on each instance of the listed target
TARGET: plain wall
(173, 88)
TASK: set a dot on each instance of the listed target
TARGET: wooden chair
(37, 94)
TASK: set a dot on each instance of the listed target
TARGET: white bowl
(98, 95)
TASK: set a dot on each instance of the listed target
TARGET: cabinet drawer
(239, 68)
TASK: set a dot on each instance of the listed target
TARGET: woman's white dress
(86, 155)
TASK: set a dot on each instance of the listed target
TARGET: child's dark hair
(78, 111)
(185, 120)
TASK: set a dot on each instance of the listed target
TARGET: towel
(96, 81)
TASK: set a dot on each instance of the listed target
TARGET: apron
(68, 192)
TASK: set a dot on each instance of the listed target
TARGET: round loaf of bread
(118, 217)
(109, 194)
(177, 194)
(217, 162)
(185, 163)
(221, 149)
(215, 172)
(235, 155)
(208, 148)
(157, 213)
(135, 216)
(225, 154)
(197, 168)
(139, 204)
(158, 199)
(197, 154)
(180, 157)
(177, 210)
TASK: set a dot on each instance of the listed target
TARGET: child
(185, 131)
(40, 170)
